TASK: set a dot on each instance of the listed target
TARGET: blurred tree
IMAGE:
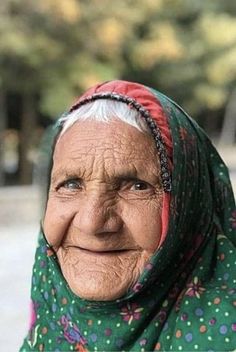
(54, 49)
(30, 50)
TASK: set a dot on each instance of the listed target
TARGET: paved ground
(19, 214)
(19, 219)
(17, 251)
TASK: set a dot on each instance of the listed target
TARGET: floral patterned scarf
(185, 300)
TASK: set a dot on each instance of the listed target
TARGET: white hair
(105, 110)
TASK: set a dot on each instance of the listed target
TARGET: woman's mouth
(102, 252)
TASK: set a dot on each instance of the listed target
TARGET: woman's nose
(96, 215)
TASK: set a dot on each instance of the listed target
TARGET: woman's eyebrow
(131, 175)
(63, 172)
(128, 174)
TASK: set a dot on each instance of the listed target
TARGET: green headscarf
(185, 300)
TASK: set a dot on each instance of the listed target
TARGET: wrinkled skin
(103, 216)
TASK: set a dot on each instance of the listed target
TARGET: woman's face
(103, 215)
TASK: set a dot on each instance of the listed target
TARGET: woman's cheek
(57, 219)
(144, 223)
(149, 237)
(154, 224)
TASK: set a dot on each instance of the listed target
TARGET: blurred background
(50, 52)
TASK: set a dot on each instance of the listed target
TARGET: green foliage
(58, 48)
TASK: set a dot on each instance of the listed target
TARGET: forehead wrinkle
(108, 167)
(107, 153)
(88, 144)
(103, 173)
(132, 169)
(63, 171)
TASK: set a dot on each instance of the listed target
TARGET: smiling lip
(103, 252)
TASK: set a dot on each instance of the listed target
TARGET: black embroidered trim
(165, 171)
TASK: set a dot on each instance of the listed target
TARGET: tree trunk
(28, 125)
(3, 125)
(227, 136)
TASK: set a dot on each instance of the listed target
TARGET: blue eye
(71, 184)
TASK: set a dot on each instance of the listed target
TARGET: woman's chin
(98, 287)
(101, 277)
(98, 294)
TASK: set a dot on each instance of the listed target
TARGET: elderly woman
(137, 250)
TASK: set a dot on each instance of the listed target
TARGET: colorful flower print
(71, 331)
(131, 312)
(194, 288)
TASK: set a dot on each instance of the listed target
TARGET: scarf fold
(185, 299)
